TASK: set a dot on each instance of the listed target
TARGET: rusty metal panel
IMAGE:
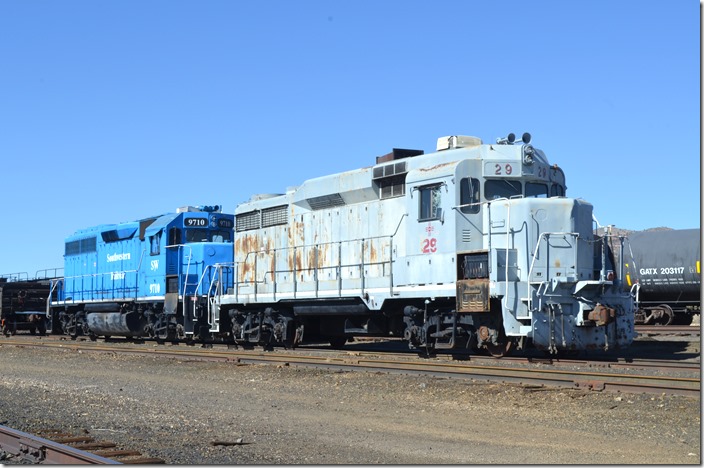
(473, 295)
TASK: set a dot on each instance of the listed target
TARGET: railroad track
(58, 448)
(624, 375)
(666, 330)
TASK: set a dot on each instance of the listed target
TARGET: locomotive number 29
(505, 169)
(429, 245)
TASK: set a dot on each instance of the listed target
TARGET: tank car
(471, 246)
(663, 269)
(145, 278)
(23, 302)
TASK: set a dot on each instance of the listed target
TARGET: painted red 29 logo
(507, 169)
(429, 245)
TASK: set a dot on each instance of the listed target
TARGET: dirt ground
(176, 410)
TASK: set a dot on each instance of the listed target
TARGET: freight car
(663, 269)
(142, 278)
(472, 246)
(23, 301)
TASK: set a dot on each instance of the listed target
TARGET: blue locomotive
(472, 246)
(142, 278)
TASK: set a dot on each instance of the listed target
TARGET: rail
(38, 450)
(682, 378)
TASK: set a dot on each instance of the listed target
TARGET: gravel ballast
(180, 410)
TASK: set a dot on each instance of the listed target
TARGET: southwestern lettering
(118, 257)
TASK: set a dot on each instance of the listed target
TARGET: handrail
(545, 235)
(92, 292)
(15, 276)
(54, 285)
(274, 272)
(635, 296)
(218, 267)
(180, 264)
(46, 270)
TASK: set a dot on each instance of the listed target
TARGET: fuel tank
(115, 324)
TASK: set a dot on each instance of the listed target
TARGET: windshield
(207, 235)
(494, 189)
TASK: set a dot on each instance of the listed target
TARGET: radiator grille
(247, 221)
(326, 201)
(274, 216)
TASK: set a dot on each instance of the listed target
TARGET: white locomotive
(472, 246)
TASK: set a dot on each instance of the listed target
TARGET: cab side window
(154, 244)
(174, 236)
(429, 204)
(469, 195)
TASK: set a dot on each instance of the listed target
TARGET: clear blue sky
(113, 111)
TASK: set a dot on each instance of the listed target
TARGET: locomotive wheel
(668, 315)
(499, 350)
(72, 328)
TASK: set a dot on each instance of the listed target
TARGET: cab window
(469, 195)
(196, 235)
(154, 241)
(429, 204)
(174, 236)
(536, 190)
(494, 189)
(220, 236)
(557, 190)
